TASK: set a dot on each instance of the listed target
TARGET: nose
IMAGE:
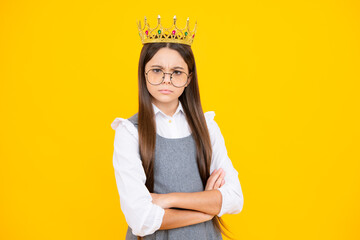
(167, 78)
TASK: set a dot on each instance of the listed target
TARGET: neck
(167, 108)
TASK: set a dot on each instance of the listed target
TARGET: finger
(215, 171)
(222, 182)
(219, 180)
(214, 176)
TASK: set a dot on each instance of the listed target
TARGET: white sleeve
(232, 196)
(142, 216)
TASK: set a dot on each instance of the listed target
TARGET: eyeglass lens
(156, 76)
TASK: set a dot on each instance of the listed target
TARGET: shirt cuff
(159, 218)
(223, 202)
(148, 229)
(231, 203)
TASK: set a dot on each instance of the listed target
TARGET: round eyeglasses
(156, 76)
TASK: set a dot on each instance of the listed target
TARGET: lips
(165, 91)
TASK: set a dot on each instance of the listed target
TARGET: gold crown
(171, 34)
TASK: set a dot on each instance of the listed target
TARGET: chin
(166, 98)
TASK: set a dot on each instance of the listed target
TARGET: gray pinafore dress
(176, 170)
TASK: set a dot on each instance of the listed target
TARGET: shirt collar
(179, 108)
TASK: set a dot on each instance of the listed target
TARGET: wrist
(172, 199)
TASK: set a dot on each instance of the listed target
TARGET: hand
(216, 180)
(209, 216)
(163, 200)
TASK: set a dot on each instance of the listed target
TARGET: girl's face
(168, 60)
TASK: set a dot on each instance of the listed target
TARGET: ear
(190, 78)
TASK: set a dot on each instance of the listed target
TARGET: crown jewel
(171, 34)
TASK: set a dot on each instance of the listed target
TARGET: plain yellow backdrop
(281, 76)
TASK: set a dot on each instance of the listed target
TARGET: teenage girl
(173, 174)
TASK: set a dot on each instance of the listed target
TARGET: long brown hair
(190, 100)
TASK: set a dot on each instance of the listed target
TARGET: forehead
(168, 58)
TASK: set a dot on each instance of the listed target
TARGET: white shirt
(143, 216)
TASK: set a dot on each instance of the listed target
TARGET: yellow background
(281, 76)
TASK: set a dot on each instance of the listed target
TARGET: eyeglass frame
(163, 78)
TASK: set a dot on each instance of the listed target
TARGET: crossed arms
(196, 207)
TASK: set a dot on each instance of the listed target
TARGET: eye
(177, 72)
(156, 70)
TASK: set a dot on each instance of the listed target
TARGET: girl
(164, 154)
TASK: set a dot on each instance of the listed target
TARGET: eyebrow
(171, 68)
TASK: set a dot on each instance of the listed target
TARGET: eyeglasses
(156, 76)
